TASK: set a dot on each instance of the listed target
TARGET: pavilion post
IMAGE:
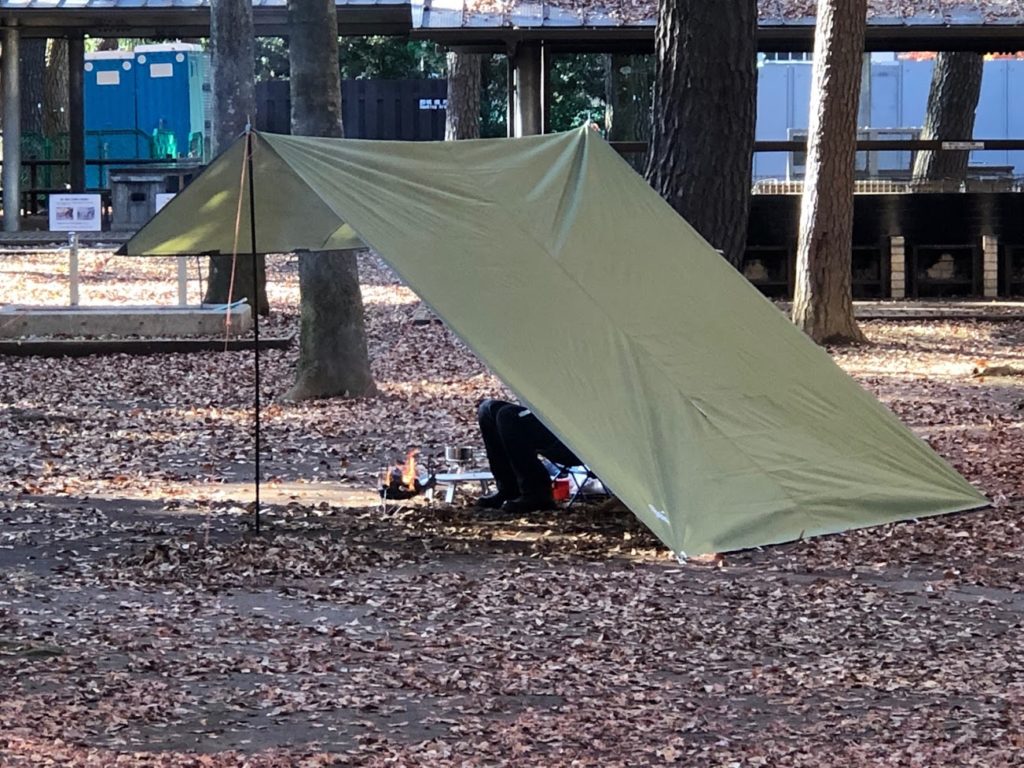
(12, 129)
(529, 76)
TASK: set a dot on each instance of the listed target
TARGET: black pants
(513, 437)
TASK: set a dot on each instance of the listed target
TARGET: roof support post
(510, 93)
(529, 92)
(76, 108)
(12, 129)
(547, 63)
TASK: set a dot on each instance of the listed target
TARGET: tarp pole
(255, 314)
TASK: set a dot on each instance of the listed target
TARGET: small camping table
(452, 480)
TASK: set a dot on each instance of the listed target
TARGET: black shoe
(529, 504)
(491, 500)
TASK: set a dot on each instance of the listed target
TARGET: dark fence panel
(273, 106)
(926, 218)
(932, 224)
(407, 110)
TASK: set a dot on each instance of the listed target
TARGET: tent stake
(255, 317)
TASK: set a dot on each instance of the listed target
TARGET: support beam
(76, 109)
(546, 65)
(12, 130)
(529, 101)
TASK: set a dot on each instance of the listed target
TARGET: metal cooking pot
(458, 454)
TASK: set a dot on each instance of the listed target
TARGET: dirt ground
(143, 622)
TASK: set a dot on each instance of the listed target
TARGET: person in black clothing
(514, 437)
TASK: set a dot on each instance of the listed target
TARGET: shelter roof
(186, 18)
(784, 24)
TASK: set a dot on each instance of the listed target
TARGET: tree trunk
(220, 288)
(333, 357)
(705, 101)
(952, 101)
(234, 97)
(823, 300)
(627, 115)
(33, 84)
(55, 112)
(462, 117)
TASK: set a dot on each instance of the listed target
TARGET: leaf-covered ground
(142, 623)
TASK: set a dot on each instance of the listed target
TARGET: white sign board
(75, 213)
(433, 103)
(162, 199)
(963, 145)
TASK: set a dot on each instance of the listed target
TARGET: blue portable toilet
(171, 82)
(110, 125)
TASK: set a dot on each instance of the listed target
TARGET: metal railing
(33, 195)
(995, 178)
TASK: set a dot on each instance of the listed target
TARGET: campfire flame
(403, 481)
(410, 471)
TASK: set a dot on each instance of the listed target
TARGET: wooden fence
(407, 110)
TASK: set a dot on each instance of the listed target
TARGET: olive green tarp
(718, 422)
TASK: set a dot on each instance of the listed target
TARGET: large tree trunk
(823, 300)
(33, 84)
(952, 101)
(705, 101)
(55, 102)
(627, 115)
(333, 357)
(234, 97)
(462, 117)
(56, 109)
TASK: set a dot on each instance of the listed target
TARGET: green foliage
(271, 59)
(577, 90)
(377, 57)
(493, 97)
(389, 58)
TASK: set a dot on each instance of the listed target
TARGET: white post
(897, 264)
(73, 267)
(990, 266)
(182, 281)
